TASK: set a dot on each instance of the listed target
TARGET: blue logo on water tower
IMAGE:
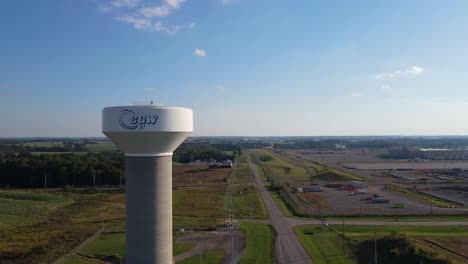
(131, 121)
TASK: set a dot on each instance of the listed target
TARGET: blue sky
(253, 68)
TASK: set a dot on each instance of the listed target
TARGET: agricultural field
(325, 245)
(101, 146)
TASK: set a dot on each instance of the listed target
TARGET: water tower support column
(149, 209)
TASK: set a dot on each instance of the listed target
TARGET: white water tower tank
(148, 134)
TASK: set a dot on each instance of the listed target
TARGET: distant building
(227, 163)
(429, 153)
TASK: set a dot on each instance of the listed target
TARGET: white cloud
(200, 52)
(390, 75)
(124, 3)
(174, 3)
(118, 4)
(355, 95)
(162, 10)
(146, 24)
(141, 16)
(138, 23)
(156, 11)
(386, 87)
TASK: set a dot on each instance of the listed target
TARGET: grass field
(403, 218)
(107, 244)
(26, 208)
(331, 174)
(243, 173)
(44, 226)
(75, 260)
(280, 168)
(317, 167)
(323, 247)
(198, 208)
(422, 196)
(211, 256)
(327, 246)
(259, 243)
(243, 199)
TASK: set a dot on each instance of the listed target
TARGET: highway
(288, 249)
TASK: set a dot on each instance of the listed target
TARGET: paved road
(288, 249)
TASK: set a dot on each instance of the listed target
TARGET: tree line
(25, 170)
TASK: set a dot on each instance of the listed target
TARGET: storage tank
(148, 134)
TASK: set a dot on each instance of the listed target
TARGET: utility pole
(94, 181)
(45, 180)
(120, 176)
(431, 206)
(375, 247)
(290, 201)
(360, 206)
(343, 235)
(102, 219)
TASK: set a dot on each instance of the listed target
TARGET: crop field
(101, 146)
(326, 245)
(42, 144)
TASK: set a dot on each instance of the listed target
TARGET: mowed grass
(211, 256)
(422, 196)
(75, 260)
(107, 244)
(316, 166)
(331, 174)
(25, 208)
(113, 244)
(281, 168)
(327, 246)
(323, 247)
(404, 218)
(259, 243)
(424, 231)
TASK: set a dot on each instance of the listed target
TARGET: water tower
(148, 134)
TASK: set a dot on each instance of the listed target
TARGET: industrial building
(429, 153)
